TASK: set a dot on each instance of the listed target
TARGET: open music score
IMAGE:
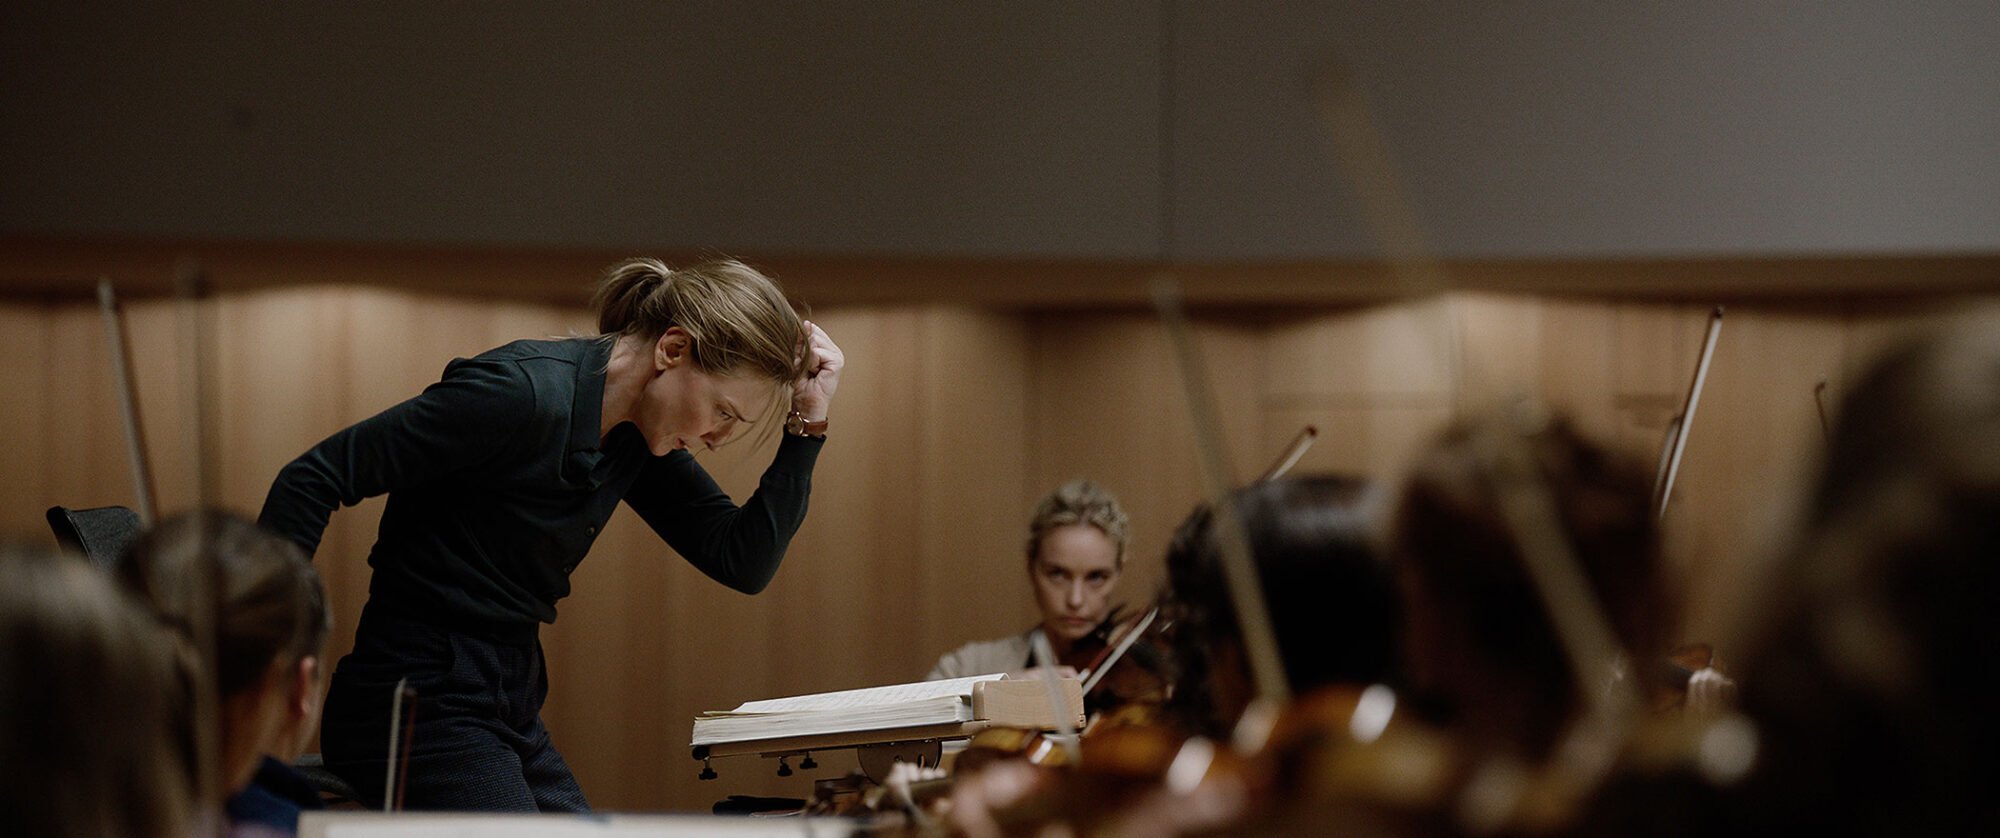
(348, 824)
(922, 711)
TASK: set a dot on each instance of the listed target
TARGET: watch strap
(796, 425)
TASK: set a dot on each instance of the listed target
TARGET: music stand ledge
(1005, 703)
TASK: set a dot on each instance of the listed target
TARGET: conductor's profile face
(683, 407)
(1074, 577)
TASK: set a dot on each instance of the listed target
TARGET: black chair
(333, 791)
(102, 534)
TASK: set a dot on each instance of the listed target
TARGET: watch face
(795, 423)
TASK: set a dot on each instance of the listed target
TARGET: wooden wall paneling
(970, 580)
(26, 414)
(81, 401)
(1377, 383)
(1579, 363)
(848, 618)
(283, 360)
(86, 445)
(1500, 346)
(1391, 352)
(1107, 404)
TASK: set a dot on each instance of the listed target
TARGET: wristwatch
(796, 425)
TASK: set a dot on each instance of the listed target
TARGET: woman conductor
(499, 477)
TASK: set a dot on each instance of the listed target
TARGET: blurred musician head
(93, 707)
(1482, 652)
(270, 621)
(1076, 551)
(1866, 671)
(1331, 597)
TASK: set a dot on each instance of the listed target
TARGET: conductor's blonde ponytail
(736, 319)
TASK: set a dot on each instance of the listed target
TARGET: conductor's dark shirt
(498, 483)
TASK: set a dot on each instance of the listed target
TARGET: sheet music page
(864, 697)
(320, 824)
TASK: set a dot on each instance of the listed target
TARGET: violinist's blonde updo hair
(737, 320)
(1078, 502)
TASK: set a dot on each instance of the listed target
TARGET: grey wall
(1036, 128)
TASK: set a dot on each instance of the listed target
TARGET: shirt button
(591, 530)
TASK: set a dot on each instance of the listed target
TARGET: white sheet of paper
(864, 697)
(436, 825)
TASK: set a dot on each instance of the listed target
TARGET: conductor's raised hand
(813, 393)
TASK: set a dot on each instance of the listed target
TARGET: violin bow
(1291, 455)
(1260, 642)
(128, 398)
(198, 339)
(1679, 433)
(1096, 673)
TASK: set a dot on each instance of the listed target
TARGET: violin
(1341, 745)
(1124, 663)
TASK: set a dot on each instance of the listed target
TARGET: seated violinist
(1332, 604)
(1076, 551)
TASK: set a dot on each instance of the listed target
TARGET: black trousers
(479, 742)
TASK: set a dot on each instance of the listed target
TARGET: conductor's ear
(671, 349)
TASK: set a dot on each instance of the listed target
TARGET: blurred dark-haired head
(1482, 650)
(1867, 664)
(1330, 595)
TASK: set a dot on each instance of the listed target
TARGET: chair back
(102, 534)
